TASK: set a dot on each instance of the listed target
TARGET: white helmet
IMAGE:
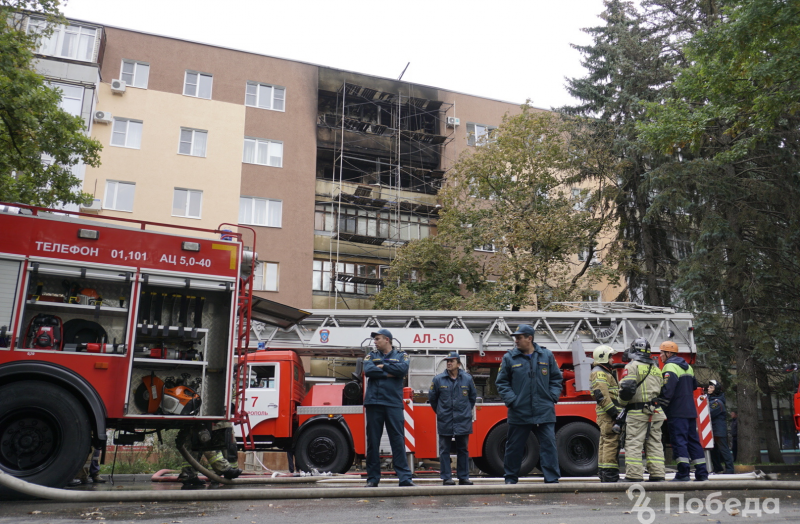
(602, 354)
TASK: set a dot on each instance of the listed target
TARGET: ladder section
(346, 333)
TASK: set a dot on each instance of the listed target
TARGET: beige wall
(157, 168)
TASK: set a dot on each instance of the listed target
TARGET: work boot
(192, 480)
(601, 474)
(448, 482)
(612, 475)
(656, 479)
(73, 483)
(97, 479)
(231, 473)
(465, 482)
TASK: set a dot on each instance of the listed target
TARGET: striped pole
(408, 416)
(703, 420)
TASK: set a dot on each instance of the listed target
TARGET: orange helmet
(670, 346)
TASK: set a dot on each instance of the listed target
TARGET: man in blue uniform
(385, 367)
(721, 456)
(677, 397)
(452, 397)
(529, 382)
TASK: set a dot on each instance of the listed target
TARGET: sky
(510, 50)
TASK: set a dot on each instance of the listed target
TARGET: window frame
(188, 201)
(472, 137)
(37, 25)
(256, 142)
(127, 132)
(192, 143)
(60, 86)
(116, 194)
(258, 85)
(263, 267)
(197, 85)
(135, 63)
(266, 213)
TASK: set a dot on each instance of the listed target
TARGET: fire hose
(63, 495)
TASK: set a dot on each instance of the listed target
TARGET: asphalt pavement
(416, 507)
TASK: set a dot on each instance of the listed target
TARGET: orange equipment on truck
(326, 426)
(173, 305)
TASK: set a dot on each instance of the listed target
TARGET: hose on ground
(226, 493)
(267, 480)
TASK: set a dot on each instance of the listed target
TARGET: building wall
(221, 175)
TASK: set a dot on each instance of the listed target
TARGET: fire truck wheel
(44, 434)
(577, 449)
(325, 448)
(494, 450)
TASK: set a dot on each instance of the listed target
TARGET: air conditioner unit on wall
(94, 207)
(118, 86)
(104, 117)
(453, 121)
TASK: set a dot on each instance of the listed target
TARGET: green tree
(633, 59)
(39, 142)
(511, 196)
(733, 126)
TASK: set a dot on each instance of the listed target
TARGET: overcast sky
(510, 50)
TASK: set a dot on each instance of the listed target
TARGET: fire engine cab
(115, 324)
(326, 425)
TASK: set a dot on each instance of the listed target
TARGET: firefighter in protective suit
(639, 389)
(218, 462)
(605, 391)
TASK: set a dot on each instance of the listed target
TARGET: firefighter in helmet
(605, 391)
(639, 389)
(678, 400)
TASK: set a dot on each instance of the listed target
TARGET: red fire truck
(326, 426)
(115, 324)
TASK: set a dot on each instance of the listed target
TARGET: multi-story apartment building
(334, 170)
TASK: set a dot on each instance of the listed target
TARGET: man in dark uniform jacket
(452, 397)
(529, 382)
(385, 367)
(721, 456)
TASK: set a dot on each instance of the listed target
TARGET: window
(193, 142)
(197, 84)
(263, 152)
(367, 274)
(584, 253)
(381, 224)
(187, 203)
(71, 98)
(71, 41)
(119, 195)
(135, 74)
(489, 248)
(266, 276)
(265, 96)
(581, 198)
(126, 133)
(479, 134)
(260, 211)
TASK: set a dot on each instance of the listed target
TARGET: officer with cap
(385, 367)
(677, 397)
(721, 456)
(529, 382)
(452, 397)
(605, 391)
(639, 388)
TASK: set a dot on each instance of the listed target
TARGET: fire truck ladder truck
(481, 338)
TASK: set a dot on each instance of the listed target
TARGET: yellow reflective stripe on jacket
(671, 367)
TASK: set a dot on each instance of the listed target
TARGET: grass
(160, 456)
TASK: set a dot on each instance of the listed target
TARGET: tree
(627, 64)
(39, 142)
(733, 126)
(511, 197)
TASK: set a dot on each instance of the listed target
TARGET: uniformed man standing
(605, 391)
(529, 382)
(638, 389)
(385, 367)
(678, 399)
(721, 456)
(452, 397)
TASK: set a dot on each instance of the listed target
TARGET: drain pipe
(63, 495)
